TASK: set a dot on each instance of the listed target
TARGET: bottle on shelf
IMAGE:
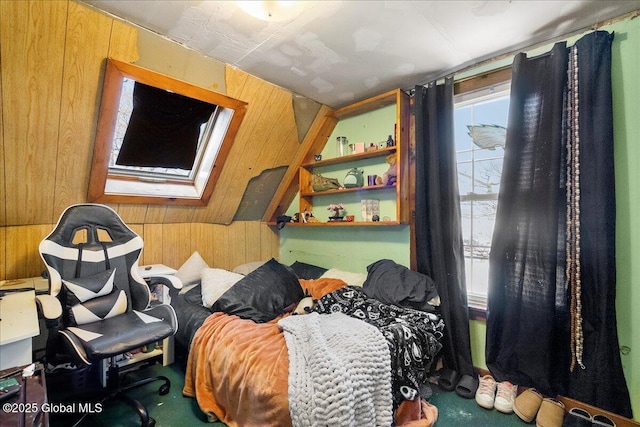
(342, 145)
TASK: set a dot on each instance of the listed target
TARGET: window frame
(108, 187)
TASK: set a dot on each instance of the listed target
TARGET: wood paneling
(3, 212)
(52, 61)
(123, 44)
(152, 252)
(33, 41)
(176, 242)
(3, 253)
(23, 258)
(87, 42)
(204, 244)
(266, 139)
(221, 246)
(221, 253)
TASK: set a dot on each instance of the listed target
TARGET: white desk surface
(40, 284)
(18, 317)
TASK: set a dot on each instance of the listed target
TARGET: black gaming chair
(103, 305)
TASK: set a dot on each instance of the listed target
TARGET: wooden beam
(313, 143)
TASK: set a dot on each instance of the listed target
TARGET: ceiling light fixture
(273, 11)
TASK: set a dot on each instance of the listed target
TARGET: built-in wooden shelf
(399, 149)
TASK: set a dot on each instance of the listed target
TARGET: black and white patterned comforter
(413, 337)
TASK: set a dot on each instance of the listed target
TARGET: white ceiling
(337, 52)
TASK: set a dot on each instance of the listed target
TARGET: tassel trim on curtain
(573, 283)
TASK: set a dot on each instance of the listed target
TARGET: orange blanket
(238, 370)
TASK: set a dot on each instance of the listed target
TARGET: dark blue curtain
(551, 319)
(438, 230)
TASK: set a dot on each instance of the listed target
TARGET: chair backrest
(91, 242)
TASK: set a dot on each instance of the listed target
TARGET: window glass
(480, 122)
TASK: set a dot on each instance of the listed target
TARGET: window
(153, 127)
(480, 121)
(159, 140)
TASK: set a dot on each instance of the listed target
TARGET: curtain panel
(438, 230)
(551, 318)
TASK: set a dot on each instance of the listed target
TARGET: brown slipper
(527, 404)
(551, 413)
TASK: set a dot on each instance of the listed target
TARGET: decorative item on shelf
(350, 218)
(342, 145)
(372, 180)
(321, 183)
(370, 208)
(307, 217)
(390, 142)
(372, 147)
(391, 175)
(356, 148)
(354, 178)
(336, 208)
(282, 220)
(317, 157)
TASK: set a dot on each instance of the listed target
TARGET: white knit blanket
(339, 371)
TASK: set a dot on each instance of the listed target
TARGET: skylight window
(206, 144)
(160, 140)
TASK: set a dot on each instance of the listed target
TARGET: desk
(18, 325)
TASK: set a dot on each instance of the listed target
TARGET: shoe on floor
(527, 404)
(505, 396)
(602, 420)
(448, 379)
(551, 413)
(577, 417)
(485, 395)
(467, 386)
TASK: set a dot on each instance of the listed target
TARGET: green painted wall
(626, 127)
(351, 249)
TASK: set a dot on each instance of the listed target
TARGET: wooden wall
(221, 246)
(52, 60)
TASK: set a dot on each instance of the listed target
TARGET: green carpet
(174, 409)
(454, 411)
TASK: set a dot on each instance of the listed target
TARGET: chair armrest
(168, 280)
(49, 306)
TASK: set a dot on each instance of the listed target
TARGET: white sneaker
(505, 397)
(485, 395)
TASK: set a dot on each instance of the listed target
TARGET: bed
(241, 362)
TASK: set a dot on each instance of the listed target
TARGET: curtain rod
(507, 55)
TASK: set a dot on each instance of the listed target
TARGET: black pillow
(392, 283)
(307, 271)
(263, 294)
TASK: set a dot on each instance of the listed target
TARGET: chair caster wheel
(151, 422)
(164, 389)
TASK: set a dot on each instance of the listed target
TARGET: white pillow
(190, 271)
(215, 282)
(248, 267)
(352, 279)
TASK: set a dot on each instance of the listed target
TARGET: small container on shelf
(342, 145)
